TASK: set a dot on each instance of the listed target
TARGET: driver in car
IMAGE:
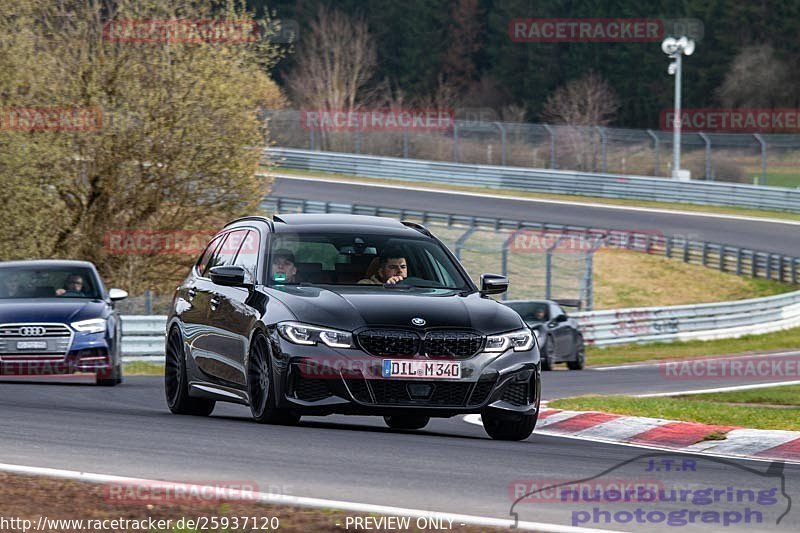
(72, 287)
(392, 268)
(283, 267)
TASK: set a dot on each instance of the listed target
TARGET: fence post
(722, 258)
(405, 142)
(708, 154)
(455, 141)
(656, 153)
(603, 147)
(463, 239)
(358, 139)
(499, 125)
(504, 261)
(148, 302)
(763, 144)
(738, 261)
(553, 163)
(311, 139)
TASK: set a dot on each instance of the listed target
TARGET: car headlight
(520, 341)
(306, 335)
(93, 325)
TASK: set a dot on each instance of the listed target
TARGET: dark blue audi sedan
(56, 317)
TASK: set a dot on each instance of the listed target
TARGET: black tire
(407, 421)
(176, 386)
(546, 353)
(109, 379)
(503, 428)
(261, 387)
(580, 355)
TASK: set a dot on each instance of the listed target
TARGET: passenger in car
(283, 263)
(392, 268)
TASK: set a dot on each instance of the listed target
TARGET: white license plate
(31, 345)
(394, 368)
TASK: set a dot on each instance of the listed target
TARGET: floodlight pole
(676, 124)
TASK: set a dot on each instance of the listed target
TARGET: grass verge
(142, 368)
(756, 409)
(740, 211)
(633, 353)
(29, 498)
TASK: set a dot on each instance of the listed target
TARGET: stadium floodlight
(675, 50)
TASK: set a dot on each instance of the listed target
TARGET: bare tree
(588, 101)
(336, 59)
(757, 78)
(580, 105)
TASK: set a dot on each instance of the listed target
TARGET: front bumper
(318, 380)
(87, 353)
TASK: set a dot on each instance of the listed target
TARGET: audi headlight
(93, 325)
(306, 335)
(520, 341)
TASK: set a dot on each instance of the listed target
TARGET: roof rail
(419, 227)
(258, 218)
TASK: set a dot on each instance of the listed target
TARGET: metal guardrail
(687, 322)
(542, 180)
(732, 259)
(144, 335)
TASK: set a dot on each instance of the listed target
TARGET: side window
(226, 253)
(248, 253)
(205, 257)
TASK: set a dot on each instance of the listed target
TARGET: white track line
(296, 501)
(719, 389)
(536, 200)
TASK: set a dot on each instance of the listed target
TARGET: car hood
(350, 308)
(50, 310)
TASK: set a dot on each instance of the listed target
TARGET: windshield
(48, 282)
(368, 259)
(531, 311)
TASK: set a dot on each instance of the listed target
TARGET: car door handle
(214, 303)
(192, 293)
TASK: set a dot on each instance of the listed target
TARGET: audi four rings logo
(418, 321)
(32, 331)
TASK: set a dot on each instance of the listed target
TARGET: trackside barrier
(144, 335)
(541, 180)
(690, 322)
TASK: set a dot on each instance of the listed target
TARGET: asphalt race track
(781, 238)
(450, 466)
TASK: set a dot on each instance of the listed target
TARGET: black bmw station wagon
(321, 314)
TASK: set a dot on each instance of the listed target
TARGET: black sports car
(560, 340)
(322, 314)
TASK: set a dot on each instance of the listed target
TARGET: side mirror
(228, 276)
(560, 318)
(493, 284)
(117, 294)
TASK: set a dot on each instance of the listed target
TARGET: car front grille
(517, 393)
(442, 393)
(389, 342)
(56, 339)
(458, 344)
(403, 343)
